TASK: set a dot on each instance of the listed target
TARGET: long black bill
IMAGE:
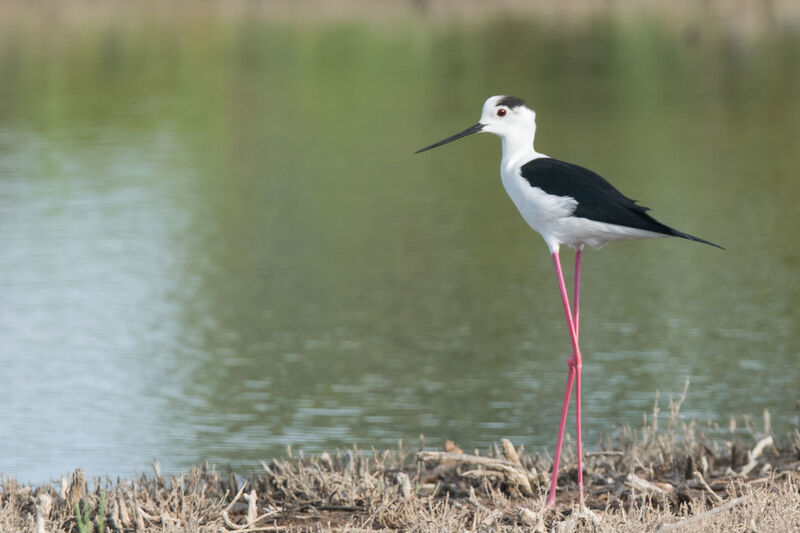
(469, 131)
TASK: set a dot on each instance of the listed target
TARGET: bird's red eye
(501, 112)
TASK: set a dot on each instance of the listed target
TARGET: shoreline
(647, 479)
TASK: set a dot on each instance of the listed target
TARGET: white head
(507, 117)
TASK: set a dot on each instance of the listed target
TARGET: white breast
(540, 210)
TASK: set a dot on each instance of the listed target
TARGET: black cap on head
(511, 101)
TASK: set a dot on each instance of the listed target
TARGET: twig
(510, 452)
(531, 519)
(44, 502)
(478, 473)
(149, 516)
(138, 518)
(643, 485)
(114, 520)
(731, 504)
(248, 526)
(492, 518)
(405, 485)
(513, 473)
(157, 470)
(609, 453)
(236, 498)
(125, 518)
(228, 522)
(702, 480)
(441, 457)
(473, 499)
(754, 454)
(252, 511)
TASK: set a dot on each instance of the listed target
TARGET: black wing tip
(696, 239)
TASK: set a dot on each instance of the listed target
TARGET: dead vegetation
(673, 478)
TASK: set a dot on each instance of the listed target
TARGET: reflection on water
(216, 241)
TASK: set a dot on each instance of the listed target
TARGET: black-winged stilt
(566, 204)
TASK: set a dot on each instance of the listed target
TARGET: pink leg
(574, 369)
(576, 294)
(577, 363)
(551, 496)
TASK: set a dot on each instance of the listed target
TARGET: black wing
(597, 199)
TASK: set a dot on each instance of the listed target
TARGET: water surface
(216, 241)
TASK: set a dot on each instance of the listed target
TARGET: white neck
(518, 148)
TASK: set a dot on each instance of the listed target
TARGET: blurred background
(215, 240)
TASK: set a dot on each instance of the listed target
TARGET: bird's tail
(693, 238)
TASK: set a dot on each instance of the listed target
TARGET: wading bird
(568, 205)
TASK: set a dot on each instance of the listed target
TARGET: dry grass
(673, 478)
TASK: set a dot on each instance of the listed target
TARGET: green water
(216, 240)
